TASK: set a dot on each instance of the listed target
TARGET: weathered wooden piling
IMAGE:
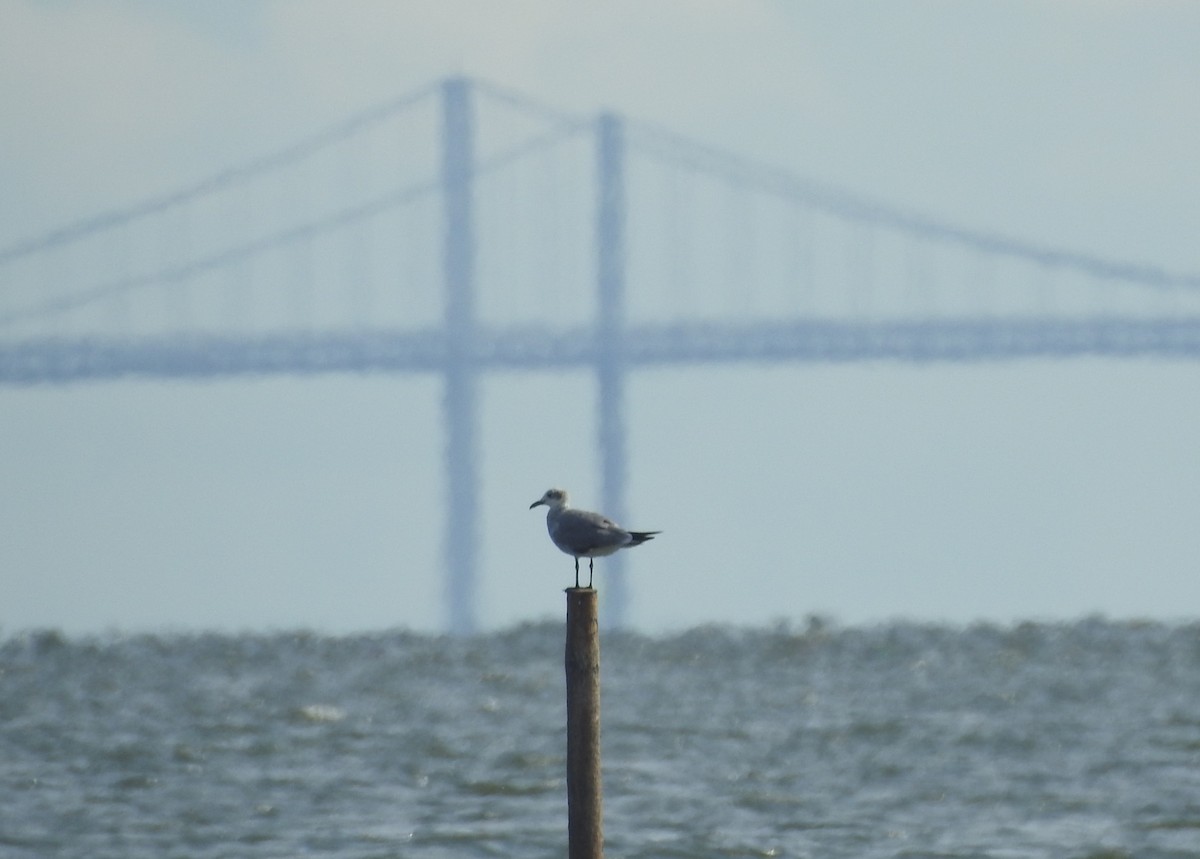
(585, 803)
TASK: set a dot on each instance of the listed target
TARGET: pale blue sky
(998, 491)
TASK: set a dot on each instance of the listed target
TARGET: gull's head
(552, 498)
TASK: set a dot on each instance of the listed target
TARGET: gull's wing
(580, 531)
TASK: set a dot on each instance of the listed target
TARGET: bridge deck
(58, 360)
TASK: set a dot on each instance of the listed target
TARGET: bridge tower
(460, 400)
(460, 396)
(610, 348)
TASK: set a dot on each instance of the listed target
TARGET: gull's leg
(590, 562)
(576, 571)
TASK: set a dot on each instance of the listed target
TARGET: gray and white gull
(583, 534)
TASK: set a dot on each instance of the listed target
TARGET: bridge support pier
(610, 360)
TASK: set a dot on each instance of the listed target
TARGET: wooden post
(585, 803)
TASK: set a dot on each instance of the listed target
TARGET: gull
(583, 534)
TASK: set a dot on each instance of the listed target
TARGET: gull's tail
(639, 537)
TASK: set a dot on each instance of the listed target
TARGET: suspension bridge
(463, 229)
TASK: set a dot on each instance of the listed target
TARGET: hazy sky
(1033, 489)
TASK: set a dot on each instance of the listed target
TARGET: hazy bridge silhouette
(464, 228)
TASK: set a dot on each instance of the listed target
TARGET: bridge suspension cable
(230, 176)
(679, 151)
(566, 127)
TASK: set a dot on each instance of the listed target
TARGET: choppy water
(1077, 740)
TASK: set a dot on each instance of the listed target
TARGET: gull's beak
(536, 503)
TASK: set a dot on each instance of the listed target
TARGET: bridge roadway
(53, 360)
